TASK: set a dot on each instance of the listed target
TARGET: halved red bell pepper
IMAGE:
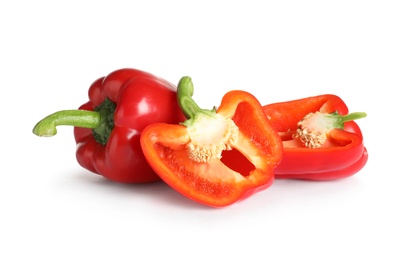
(342, 153)
(107, 128)
(190, 157)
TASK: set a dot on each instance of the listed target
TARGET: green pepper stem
(352, 116)
(191, 110)
(185, 90)
(78, 118)
(339, 120)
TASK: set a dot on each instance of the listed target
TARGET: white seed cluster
(310, 138)
(205, 152)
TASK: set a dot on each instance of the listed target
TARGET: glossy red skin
(345, 156)
(141, 99)
(213, 183)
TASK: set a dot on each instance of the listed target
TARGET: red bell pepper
(192, 157)
(320, 139)
(107, 128)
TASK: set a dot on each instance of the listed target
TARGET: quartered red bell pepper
(107, 128)
(320, 139)
(192, 157)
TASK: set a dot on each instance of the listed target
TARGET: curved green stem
(101, 121)
(79, 118)
(185, 90)
(191, 110)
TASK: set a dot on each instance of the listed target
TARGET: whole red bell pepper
(320, 139)
(107, 128)
(193, 157)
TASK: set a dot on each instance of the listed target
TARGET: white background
(51, 51)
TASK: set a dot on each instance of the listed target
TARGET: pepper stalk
(100, 121)
(210, 133)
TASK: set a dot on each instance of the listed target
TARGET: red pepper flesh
(137, 99)
(342, 156)
(190, 157)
